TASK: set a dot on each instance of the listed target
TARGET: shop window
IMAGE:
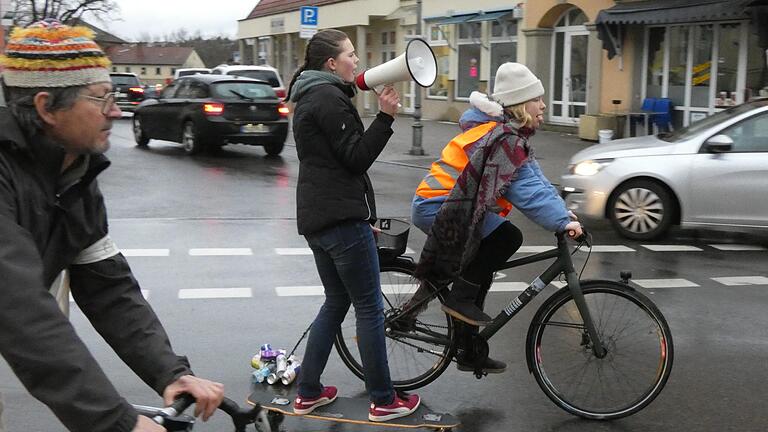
(655, 72)
(469, 70)
(469, 30)
(678, 56)
(440, 88)
(701, 68)
(757, 68)
(439, 34)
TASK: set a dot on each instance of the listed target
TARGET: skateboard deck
(347, 410)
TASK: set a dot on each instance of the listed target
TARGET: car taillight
(213, 109)
(280, 93)
(283, 109)
(136, 90)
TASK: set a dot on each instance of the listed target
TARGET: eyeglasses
(107, 101)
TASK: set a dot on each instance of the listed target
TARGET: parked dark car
(205, 112)
(130, 91)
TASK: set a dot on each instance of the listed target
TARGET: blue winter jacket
(529, 192)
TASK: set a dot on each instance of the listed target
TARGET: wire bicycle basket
(392, 239)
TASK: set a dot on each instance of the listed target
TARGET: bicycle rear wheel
(417, 354)
(632, 330)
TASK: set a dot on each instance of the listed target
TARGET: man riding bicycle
(52, 218)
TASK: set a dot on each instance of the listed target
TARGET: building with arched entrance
(593, 56)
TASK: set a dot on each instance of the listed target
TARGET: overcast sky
(158, 17)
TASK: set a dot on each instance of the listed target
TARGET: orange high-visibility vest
(446, 170)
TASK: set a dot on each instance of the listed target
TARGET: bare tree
(28, 11)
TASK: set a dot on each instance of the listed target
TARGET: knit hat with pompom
(50, 54)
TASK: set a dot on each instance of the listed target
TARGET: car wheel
(641, 210)
(138, 132)
(274, 148)
(190, 140)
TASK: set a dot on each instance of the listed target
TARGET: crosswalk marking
(737, 247)
(211, 293)
(596, 248)
(672, 248)
(741, 280)
(220, 252)
(508, 286)
(664, 283)
(146, 252)
(308, 251)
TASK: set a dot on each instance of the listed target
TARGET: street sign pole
(416, 148)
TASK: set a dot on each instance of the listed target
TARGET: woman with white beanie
(481, 175)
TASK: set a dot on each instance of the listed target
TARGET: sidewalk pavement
(553, 149)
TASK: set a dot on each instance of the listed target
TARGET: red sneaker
(400, 407)
(305, 406)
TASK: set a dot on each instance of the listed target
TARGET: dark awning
(490, 16)
(450, 19)
(668, 12)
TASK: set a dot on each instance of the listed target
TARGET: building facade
(152, 64)
(593, 56)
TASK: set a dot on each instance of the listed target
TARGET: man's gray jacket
(44, 229)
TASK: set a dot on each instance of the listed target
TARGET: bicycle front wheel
(417, 353)
(632, 330)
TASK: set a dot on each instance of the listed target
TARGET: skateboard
(278, 402)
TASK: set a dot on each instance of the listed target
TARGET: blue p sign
(309, 15)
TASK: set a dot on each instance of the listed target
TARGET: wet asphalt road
(243, 204)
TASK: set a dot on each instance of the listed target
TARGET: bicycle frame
(562, 264)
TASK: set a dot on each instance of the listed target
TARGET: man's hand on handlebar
(573, 230)
(208, 394)
(145, 424)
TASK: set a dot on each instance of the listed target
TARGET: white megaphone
(417, 63)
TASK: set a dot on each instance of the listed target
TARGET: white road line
(741, 280)
(738, 247)
(308, 251)
(145, 252)
(508, 286)
(664, 283)
(220, 251)
(608, 248)
(317, 290)
(597, 248)
(672, 248)
(211, 293)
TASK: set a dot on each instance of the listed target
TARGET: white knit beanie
(515, 84)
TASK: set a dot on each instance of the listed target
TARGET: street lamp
(416, 148)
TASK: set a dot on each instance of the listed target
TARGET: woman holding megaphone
(335, 210)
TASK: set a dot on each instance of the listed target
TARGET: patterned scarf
(455, 235)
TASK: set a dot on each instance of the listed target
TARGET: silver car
(713, 173)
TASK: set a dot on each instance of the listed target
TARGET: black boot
(465, 355)
(460, 303)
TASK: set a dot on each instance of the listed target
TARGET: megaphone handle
(378, 89)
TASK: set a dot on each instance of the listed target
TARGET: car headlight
(589, 167)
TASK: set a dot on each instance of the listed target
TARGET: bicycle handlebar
(172, 419)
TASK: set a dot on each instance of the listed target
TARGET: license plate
(254, 128)
(122, 95)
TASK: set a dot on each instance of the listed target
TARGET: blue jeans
(348, 264)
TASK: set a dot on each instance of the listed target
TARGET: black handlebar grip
(182, 402)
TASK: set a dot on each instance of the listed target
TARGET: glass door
(569, 95)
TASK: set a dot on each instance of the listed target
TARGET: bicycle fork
(578, 297)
